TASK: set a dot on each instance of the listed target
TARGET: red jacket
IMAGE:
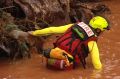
(74, 45)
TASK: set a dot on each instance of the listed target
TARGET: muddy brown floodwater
(109, 44)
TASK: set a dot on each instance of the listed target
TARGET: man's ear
(98, 31)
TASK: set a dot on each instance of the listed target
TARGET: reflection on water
(109, 44)
(96, 74)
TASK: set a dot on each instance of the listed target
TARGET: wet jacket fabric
(92, 45)
(75, 45)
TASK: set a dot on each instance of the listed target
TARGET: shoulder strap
(80, 56)
(83, 30)
(86, 28)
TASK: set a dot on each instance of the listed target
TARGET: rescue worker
(77, 42)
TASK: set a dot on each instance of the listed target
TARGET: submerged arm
(94, 51)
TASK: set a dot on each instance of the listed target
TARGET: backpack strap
(82, 59)
(83, 30)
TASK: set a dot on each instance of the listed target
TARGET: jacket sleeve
(51, 30)
(94, 51)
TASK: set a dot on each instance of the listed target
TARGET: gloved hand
(30, 32)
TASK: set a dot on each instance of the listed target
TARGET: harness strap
(71, 42)
(82, 59)
(63, 35)
(80, 55)
(63, 40)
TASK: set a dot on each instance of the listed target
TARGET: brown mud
(109, 44)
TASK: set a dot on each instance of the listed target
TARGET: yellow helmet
(98, 22)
